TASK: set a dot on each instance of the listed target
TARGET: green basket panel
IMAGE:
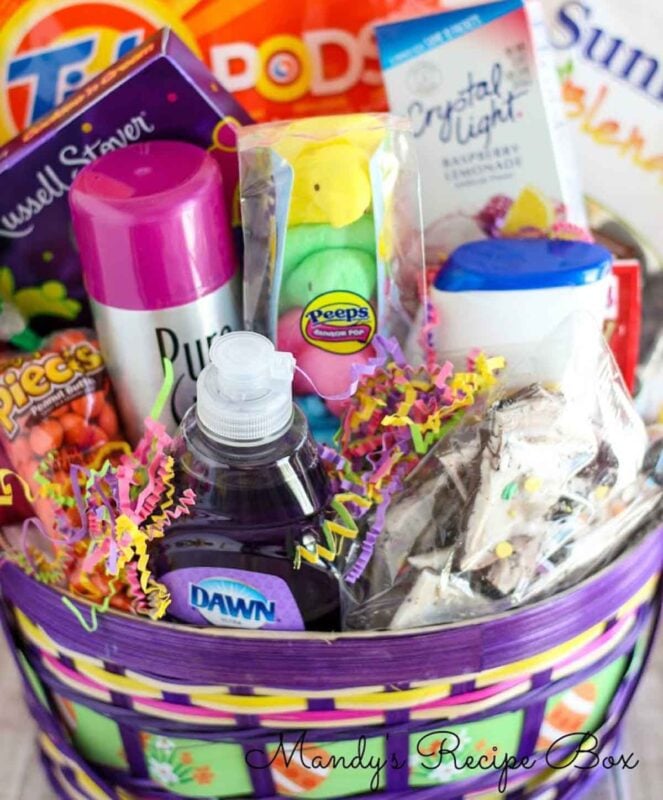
(441, 754)
(95, 737)
(328, 769)
(197, 768)
(582, 707)
(33, 679)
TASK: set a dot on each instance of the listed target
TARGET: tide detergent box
(480, 87)
(280, 59)
(159, 90)
(611, 62)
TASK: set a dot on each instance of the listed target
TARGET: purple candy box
(160, 90)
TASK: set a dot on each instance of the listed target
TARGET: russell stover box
(160, 90)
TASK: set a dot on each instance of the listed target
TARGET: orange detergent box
(281, 59)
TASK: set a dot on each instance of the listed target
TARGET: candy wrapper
(536, 487)
(330, 212)
(57, 410)
(14, 333)
(159, 90)
(97, 520)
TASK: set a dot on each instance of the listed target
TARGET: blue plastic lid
(494, 265)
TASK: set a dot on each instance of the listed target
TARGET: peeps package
(480, 87)
(332, 244)
(158, 91)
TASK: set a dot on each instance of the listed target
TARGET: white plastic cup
(498, 295)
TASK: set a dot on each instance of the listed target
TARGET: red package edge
(625, 338)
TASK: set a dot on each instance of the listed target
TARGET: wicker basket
(139, 710)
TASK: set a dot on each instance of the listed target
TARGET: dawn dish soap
(261, 489)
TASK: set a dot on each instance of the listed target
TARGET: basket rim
(312, 662)
(211, 631)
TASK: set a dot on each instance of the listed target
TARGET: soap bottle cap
(245, 392)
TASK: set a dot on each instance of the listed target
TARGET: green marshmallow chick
(319, 258)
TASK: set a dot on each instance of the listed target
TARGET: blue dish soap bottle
(261, 489)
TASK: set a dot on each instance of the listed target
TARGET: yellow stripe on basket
(132, 682)
(539, 662)
(90, 786)
(172, 715)
(597, 653)
(175, 688)
(35, 634)
(405, 698)
(66, 786)
(82, 688)
(331, 694)
(640, 597)
(463, 709)
(58, 757)
(38, 636)
(249, 704)
(280, 724)
(116, 683)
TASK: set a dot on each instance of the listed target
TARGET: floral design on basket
(170, 764)
(451, 753)
(164, 764)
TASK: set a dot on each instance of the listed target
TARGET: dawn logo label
(339, 322)
(229, 603)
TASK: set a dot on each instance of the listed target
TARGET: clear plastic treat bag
(534, 490)
(333, 249)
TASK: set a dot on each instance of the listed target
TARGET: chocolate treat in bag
(538, 487)
(56, 411)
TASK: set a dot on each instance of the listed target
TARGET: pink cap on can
(151, 226)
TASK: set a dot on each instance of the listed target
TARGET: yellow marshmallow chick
(330, 157)
(331, 184)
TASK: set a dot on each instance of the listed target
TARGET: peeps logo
(229, 603)
(339, 322)
(50, 52)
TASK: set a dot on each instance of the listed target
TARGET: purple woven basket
(139, 710)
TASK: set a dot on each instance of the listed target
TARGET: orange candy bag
(58, 403)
